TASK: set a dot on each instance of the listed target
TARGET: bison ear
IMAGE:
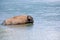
(28, 18)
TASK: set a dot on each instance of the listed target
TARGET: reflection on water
(23, 26)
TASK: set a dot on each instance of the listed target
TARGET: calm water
(46, 21)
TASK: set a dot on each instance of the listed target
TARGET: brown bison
(17, 20)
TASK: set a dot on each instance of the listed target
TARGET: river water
(46, 21)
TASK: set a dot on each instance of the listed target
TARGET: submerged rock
(17, 20)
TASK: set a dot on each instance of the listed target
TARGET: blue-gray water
(46, 20)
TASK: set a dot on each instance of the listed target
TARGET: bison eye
(29, 20)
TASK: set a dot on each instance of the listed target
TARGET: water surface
(46, 21)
